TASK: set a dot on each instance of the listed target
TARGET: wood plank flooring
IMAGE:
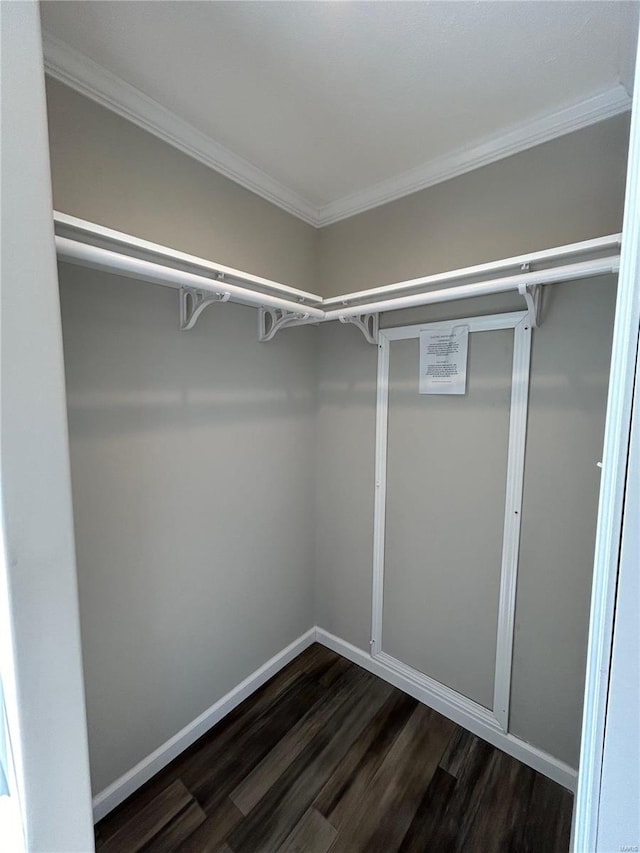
(327, 758)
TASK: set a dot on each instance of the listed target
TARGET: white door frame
(612, 488)
(497, 718)
(41, 648)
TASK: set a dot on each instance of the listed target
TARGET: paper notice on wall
(443, 360)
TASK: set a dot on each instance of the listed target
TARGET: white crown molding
(81, 73)
(596, 108)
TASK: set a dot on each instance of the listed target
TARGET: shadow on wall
(130, 368)
(570, 350)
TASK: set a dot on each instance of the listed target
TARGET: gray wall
(569, 189)
(192, 472)
(192, 453)
(446, 481)
(108, 170)
(569, 374)
(179, 441)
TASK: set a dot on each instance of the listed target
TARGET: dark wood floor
(327, 757)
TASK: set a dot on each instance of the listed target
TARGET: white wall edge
(615, 459)
(41, 647)
(530, 755)
(129, 782)
(92, 80)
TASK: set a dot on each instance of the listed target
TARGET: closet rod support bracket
(367, 323)
(533, 297)
(271, 320)
(193, 302)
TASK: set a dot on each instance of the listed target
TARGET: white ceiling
(328, 108)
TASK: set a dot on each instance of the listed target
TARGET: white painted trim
(380, 498)
(81, 73)
(530, 755)
(438, 695)
(618, 810)
(42, 664)
(488, 323)
(512, 519)
(595, 108)
(612, 486)
(123, 787)
(498, 716)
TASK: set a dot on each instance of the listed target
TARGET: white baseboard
(123, 787)
(456, 711)
(437, 699)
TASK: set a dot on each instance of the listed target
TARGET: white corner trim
(124, 786)
(81, 73)
(530, 755)
(596, 108)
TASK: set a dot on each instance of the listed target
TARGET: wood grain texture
(214, 778)
(547, 825)
(268, 824)
(213, 832)
(397, 787)
(178, 830)
(429, 814)
(348, 784)
(327, 758)
(457, 752)
(149, 821)
(252, 789)
(312, 834)
(504, 794)
(313, 662)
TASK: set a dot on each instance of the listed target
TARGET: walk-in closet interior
(268, 457)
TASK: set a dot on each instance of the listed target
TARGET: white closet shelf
(202, 282)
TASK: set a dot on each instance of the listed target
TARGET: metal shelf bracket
(533, 297)
(367, 323)
(271, 320)
(193, 302)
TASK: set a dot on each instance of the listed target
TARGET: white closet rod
(95, 257)
(601, 245)
(302, 307)
(97, 235)
(568, 272)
